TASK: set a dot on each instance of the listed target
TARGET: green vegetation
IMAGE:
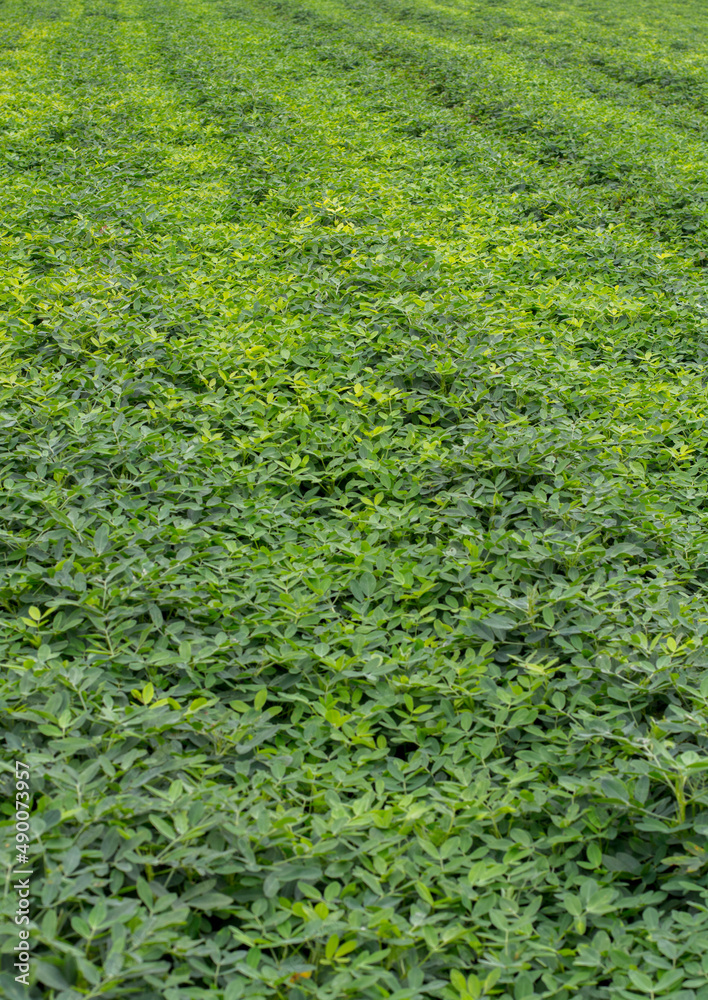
(355, 536)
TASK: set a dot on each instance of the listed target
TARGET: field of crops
(354, 398)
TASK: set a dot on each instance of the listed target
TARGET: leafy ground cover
(354, 527)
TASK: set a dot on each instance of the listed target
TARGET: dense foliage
(354, 532)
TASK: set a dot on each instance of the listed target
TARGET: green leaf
(594, 855)
(145, 892)
(425, 893)
(271, 885)
(458, 981)
(346, 948)
(331, 946)
(667, 980)
(641, 981)
(101, 539)
(81, 927)
(491, 980)
(601, 901)
(50, 975)
(211, 901)
(614, 789)
(474, 987)
(156, 615)
(163, 827)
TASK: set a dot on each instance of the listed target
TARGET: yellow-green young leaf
(458, 981)
(137, 694)
(197, 704)
(345, 948)
(333, 717)
(425, 893)
(474, 987)
(260, 699)
(594, 855)
(331, 946)
(35, 614)
(148, 693)
(492, 979)
(322, 911)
